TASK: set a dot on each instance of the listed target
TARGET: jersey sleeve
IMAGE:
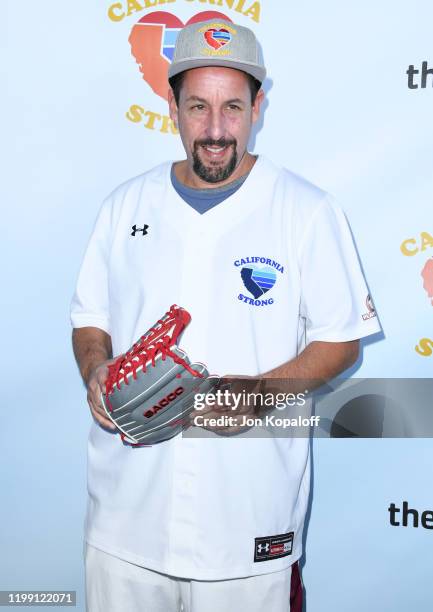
(335, 300)
(90, 302)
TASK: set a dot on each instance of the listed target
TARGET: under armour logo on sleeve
(136, 229)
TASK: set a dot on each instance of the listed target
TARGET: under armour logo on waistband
(262, 547)
(136, 229)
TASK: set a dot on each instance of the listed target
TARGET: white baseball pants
(115, 585)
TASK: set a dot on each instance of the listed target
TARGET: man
(265, 264)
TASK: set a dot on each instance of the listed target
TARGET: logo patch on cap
(217, 35)
(217, 38)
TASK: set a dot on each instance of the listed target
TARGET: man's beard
(214, 174)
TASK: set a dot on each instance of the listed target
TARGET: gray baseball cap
(217, 42)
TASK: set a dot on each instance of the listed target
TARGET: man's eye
(234, 107)
(198, 107)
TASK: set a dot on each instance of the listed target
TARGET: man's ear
(172, 107)
(257, 105)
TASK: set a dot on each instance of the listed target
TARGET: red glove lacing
(159, 339)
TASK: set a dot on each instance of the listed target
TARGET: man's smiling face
(215, 117)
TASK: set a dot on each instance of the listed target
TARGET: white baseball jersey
(264, 273)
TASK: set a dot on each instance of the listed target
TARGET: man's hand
(317, 363)
(226, 415)
(93, 352)
(96, 386)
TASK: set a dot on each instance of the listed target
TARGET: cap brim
(257, 72)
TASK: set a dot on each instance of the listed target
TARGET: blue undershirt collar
(203, 200)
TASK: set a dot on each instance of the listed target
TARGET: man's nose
(216, 127)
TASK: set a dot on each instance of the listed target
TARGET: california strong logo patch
(258, 275)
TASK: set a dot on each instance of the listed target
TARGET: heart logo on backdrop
(258, 281)
(153, 39)
(217, 38)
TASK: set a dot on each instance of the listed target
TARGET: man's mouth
(216, 151)
(214, 160)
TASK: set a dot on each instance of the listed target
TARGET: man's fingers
(94, 399)
(104, 422)
(101, 377)
(101, 416)
(96, 386)
(94, 396)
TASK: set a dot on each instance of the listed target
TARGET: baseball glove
(149, 391)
